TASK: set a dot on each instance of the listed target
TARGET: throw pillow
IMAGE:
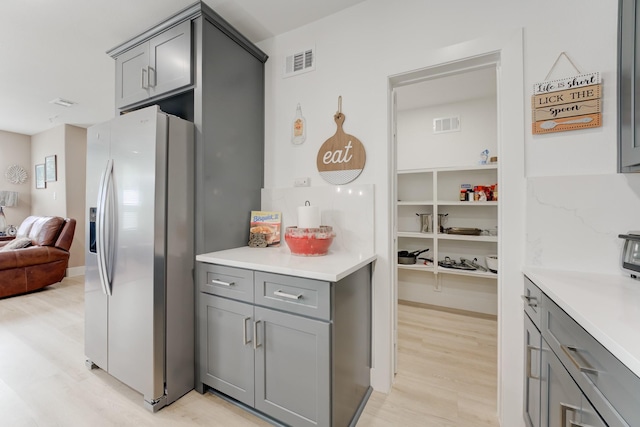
(20, 242)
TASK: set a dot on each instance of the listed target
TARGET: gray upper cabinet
(561, 397)
(155, 67)
(196, 66)
(628, 90)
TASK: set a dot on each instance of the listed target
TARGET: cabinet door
(532, 348)
(292, 368)
(170, 59)
(589, 416)
(132, 80)
(561, 397)
(226, 351)
(629, 98)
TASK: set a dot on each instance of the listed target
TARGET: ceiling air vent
(63, 102)
(446, 124)
(300, 62)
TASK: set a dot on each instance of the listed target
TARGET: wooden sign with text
(342, 157)
(567, 104)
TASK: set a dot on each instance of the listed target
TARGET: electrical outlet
(302, 182)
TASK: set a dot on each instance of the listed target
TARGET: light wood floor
(447, 373)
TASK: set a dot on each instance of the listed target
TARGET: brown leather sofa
(42, 263)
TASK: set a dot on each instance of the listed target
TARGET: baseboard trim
(75, 271)
(449, 310)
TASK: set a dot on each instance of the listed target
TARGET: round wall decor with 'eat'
(342, 157)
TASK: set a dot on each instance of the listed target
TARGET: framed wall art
(51, 172)
(40, 182)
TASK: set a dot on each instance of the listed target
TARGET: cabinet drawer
(532, 301)
(230, 282)
(610, 386)
(294, 294)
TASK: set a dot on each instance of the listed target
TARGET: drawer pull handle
(564, 408)
(245, 340)
(575, 424)
(530, 348)
(143, 78)
(530, 300)
(255, 334)
(568, 350)
(279, 293)
(221, 283)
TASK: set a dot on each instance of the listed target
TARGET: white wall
(49, 201)
(65, 196)
(15, 149)
(420, 148)
(358, 49)
(75, 154)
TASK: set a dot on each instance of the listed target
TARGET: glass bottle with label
(299, 128)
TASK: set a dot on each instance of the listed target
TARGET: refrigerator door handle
(103, 232)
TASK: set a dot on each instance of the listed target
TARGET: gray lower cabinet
(532, 348)
(561, 397)
(297, 350)
(226, 340)
(577, 382)
(292, 368)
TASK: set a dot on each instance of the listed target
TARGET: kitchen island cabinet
(295, 348)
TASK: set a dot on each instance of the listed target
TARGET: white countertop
(331, 267)
(605, 305)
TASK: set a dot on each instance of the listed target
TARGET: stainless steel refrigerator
(139, 296)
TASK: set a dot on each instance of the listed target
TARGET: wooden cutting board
(342, 157)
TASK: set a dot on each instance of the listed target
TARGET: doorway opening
(445, 187)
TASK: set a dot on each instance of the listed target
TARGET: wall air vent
(300, 62)
(446, 124)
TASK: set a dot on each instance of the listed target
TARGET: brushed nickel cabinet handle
(564, 408)
(255, 334)
(568, 349)
(530, 300)
(245, 340)
(530, 348)
(143, 76)
(221, 283)
(576, 424)
(152, 72)
(279, 293)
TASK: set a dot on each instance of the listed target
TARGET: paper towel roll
(308, 217)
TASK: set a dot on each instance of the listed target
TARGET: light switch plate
(302, 182)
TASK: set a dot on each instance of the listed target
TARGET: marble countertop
(331, 267)
(605, 305)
